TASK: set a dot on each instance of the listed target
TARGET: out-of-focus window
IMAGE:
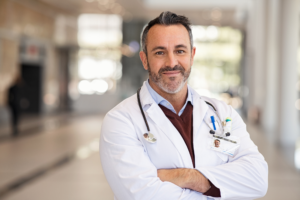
(216, 67)
(297, 103)
(98, 60)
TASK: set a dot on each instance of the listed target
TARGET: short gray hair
(166, 18)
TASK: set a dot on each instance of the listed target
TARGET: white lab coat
(130, 163)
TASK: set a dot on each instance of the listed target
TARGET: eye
(159, 53)
(180, 51)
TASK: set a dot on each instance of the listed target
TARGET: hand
(176, 176)
(185, 178)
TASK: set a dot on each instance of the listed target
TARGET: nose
(171, 60)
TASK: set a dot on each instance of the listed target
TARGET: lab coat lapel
(156, 115)
(200, 109)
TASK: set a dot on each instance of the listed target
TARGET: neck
(177, 99)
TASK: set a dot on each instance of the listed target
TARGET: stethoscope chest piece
(149, 137)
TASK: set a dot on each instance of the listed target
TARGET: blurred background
(64, 64)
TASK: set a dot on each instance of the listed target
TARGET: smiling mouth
(171, 72)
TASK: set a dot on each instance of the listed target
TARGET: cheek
(155, 64)
(186, 64)
(186, 61)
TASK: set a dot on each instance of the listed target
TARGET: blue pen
(213, 122)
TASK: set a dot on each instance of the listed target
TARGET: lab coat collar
(156, 115)
(146, 98)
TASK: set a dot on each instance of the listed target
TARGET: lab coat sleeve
(245, 176)
(127, 167)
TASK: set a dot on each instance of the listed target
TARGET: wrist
(188, 178)
(197, 181)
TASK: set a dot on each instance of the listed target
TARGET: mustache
(175, 68)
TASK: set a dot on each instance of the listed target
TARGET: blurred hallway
(63, 163)
(66, 154)
(64, 64)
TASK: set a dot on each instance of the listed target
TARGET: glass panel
(99, 67)
(216, 67)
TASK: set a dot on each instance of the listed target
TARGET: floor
(59, 160)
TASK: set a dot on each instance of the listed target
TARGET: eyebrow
(163, 48)
(181, 46)
(159, 47)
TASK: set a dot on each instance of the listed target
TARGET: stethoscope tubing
(146, 122)
(140, 105)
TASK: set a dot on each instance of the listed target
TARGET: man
(217, 143)
(177, 162)
(13, 98)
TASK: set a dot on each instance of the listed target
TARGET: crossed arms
(185, 178)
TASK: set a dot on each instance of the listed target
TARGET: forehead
(162, 35)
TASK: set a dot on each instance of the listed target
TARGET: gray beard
(173, 87)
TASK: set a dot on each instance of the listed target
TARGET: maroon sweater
(184, 125)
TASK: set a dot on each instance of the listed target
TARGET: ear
(143, 57)
(193, 55)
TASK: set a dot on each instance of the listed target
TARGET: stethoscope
(219, 120)
(151, 138)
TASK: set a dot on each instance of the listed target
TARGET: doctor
(176, 157)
